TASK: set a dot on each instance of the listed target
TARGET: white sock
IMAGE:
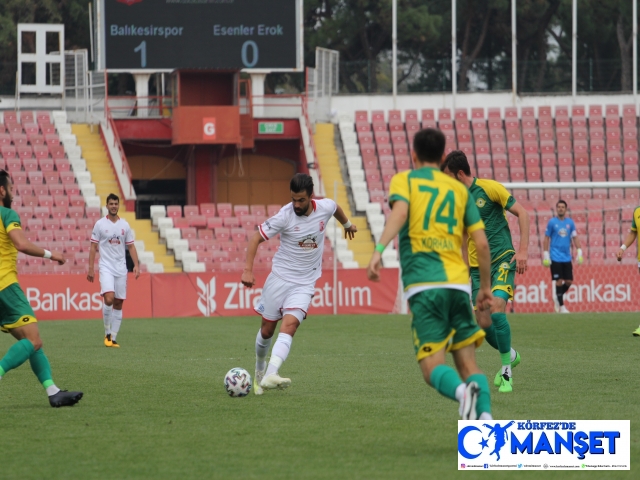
(279, 353)
(262, 349)
(106, 318)
(513, 354)
(460, 392)
(506, 369)
(116, 320)
(52, 390)
(485, 416)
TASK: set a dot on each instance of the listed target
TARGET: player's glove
(546, 260)
(580, 258)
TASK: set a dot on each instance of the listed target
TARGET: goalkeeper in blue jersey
(561, 231)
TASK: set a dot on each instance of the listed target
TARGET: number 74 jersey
(440, 209)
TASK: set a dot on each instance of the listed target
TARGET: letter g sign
(209, 128)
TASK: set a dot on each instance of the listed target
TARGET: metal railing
(128, 106)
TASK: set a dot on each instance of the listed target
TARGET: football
(237, 382)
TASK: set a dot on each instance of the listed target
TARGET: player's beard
(298, 212)
(6, 201)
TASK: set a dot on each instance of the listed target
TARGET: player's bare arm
(484, 298)
(397, 218)
(22, 244)
(134, 256)
(631, 237)
(92, 259)
(522, 254)
(349, 228)
(248, 280)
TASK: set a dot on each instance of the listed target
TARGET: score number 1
(249, 44)
(142, 48)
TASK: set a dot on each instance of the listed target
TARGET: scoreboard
(213, 34)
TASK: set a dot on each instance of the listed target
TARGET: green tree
(361, 30)
(72, 13)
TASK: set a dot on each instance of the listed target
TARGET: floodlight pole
(454, 73)
(514, 55)
(574, 49)
(394, 43)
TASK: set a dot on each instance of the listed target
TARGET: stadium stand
(210, 238)
(574, 145)
(53, 192)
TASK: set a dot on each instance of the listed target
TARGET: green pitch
(357, 408)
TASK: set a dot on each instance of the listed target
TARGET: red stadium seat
(173, 211)
(225, 210)
(631, 172)
(190, 210)
(197, 221)
(208, 209)
(214, 222)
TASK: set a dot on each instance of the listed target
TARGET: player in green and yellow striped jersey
(430, 212)
(631, 237)
(493, 201)
(16, 315)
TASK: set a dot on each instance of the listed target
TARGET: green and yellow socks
(22, 351)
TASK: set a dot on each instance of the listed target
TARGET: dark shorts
(561, 270)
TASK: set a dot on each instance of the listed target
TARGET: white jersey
(112, 239)
(299, 258)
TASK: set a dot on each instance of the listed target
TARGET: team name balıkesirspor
(434, 243)
(148, 31)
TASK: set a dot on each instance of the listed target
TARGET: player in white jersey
(297, 265)
(112, 235)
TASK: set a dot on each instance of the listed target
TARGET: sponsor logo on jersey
(114, 240)
(562, 232)
(480, 202)
(308, 242)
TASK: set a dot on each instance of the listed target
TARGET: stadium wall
(347, 104)
(596, 289)
(201, 295)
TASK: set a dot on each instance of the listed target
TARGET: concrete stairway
(362, 245)
(104, 177)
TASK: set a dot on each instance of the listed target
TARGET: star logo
(484, 443)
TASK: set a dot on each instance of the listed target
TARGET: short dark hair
(4, 178)
(113, 196)
(563, 202)
(429, 145)
(300, 182)
(456, 162)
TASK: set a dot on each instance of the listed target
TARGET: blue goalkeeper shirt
(560, 232)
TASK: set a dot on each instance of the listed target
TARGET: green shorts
(442, 318)
(503, 277)
(15, 310)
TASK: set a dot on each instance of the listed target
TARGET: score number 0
(142, 48)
